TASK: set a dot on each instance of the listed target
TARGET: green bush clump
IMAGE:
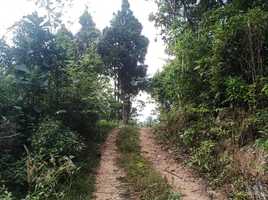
(103, 128)
(54, 139)
(202, 156)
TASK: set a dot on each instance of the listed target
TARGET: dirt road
(180, 177)
(107, 184)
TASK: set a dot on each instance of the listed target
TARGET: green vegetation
(57, 102)
(60, 94)
(139, 171)
(123, 40)
(150, 122)
(212, 94)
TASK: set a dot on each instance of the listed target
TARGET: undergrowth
(65, 172)
(212, 140)
(83, 183)
(139, 171)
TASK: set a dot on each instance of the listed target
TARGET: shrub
(103, 128)
(202, 156)
(55, 140)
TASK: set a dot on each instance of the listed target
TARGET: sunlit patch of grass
(139, 171)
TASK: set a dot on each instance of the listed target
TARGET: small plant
(175, 196)
(43, 177)
(126, 194)
(202, 156)
(4, 194)
(263, 141)
(238, 189)
(218, 180)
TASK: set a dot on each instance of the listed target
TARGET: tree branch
(8, 137)
(221, 2)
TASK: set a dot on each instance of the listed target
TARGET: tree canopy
(57, 98)
(212, 94)
(123, 50)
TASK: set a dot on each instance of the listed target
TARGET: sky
(102, 12)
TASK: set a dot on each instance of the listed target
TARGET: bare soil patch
(181, 178)
(108, 185)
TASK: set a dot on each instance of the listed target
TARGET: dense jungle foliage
(58, 101)
(212, 94)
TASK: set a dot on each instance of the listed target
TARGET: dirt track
(107, 184)
(183, 179)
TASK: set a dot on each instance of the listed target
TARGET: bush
(53, 139)
(202, 156)
(103, 128)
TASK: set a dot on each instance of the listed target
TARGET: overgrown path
(107, 181)
(181, 178)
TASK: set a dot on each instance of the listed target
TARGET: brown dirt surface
(181, 178)
(108, 185)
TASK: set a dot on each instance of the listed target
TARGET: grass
(139, 171)
(83, 184)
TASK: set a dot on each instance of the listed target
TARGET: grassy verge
(139, 171)
(83, 184)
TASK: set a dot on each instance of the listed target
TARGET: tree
(123, 50)
(52, 92)
(54, 10)
(87, 34)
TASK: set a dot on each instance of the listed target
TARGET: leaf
(44, 84)
(38, 109)
(18, 108)
(23, 68)
(46, 24)
(60, 111)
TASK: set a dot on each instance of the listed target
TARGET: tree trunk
(128, 110)
(118, 99)
(115, 98)
(124, 107)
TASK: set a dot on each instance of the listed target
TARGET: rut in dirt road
(179, 177)
(107, 184)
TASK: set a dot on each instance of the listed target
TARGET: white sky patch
(102, 13)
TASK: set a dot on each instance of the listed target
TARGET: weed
(202, 156)
(4, 194)
(126, 194)
(238, 189)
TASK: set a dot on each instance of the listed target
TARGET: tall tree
(87, 34)
(123, 50)
(54, 10)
